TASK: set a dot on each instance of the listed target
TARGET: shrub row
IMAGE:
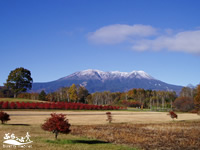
(131, 103)
(56, 105)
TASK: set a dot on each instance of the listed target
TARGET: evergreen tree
(42, 95)
(82, 94)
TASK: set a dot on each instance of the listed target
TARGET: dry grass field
(90, 130)
(43, 140)
(97, 117)
(162, 136)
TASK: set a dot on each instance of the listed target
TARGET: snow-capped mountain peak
(96, 80)
(90, 72)
(112, 74)
(141, 74)
(101, 75)
(118, 73)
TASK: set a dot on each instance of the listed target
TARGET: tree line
(19, 80)
(188, 100)
(133, 98)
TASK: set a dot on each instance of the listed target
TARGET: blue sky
(54, 38)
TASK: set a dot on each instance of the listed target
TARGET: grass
(45, 140)
(89, 144)
(174, 135)
(129, 130)
(19, 100)
(90, 130)
(95, 117)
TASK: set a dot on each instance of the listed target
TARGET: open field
(45, 140)
(96, 117)
(90, 130)
(162, 136)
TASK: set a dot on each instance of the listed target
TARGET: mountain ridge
(114, 81)
(111, 74)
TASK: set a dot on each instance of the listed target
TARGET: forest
(137, 98)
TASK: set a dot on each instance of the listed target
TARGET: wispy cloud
(187, 41)
(118, 33)
(147, 38)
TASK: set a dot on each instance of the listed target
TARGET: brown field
(162, 136)
(97, 117)
(141, 130)
(43, 140)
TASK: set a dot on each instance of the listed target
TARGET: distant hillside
(96, 80)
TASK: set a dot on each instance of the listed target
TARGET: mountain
(96, 80)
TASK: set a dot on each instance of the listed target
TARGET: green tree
(19, 80)
(73, 93)
(42, 95)
(82, 94)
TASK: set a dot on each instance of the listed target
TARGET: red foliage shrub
(56, 105)
(22, 105)
(12, 105)
(47, 105)
(109, 117)
(1, 104)
(173, 115)
(18, 105)
(33, 105)
(4, 117)
(5, 105)
(57, 123)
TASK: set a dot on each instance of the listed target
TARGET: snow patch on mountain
(114, 81)
(112, 74)
(101, 75)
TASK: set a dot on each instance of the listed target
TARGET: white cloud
(118, 33)
(147, 38)
(187, 41)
